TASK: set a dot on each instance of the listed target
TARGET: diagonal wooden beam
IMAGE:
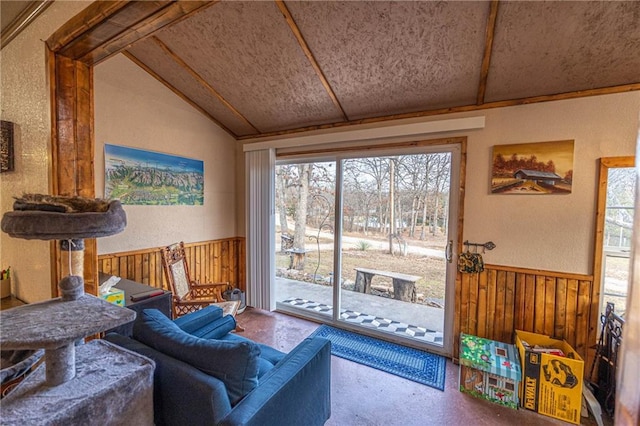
(171, 15)
(314, 63)
(202, 81)
(187, 99)
(92, 17)
(488, 47)
(106, 28)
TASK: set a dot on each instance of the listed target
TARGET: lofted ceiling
(262, 68)
(265, 68)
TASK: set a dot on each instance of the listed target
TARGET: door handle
(449, 251)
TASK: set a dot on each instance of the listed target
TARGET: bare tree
(620, 206)
(283, 181)
(392, 207)
(441, 183)
(376, 169)
(360, 194)
(412, 184)
(425, 195)
(304, 171)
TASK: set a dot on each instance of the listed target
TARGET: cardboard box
(551, 384)
(489, 370)
(5, 288)
(115, 296)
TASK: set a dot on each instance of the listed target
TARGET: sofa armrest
(296, 391)
(196, 320)
(182, 394)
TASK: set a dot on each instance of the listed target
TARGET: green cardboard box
(489, 370)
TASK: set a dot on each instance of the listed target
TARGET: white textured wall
(25, 101)
(553, 232)
(135, 110)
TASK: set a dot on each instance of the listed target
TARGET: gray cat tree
(92, 383)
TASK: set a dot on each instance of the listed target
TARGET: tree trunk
(391, 204)
(366, 221)
(282, 205)
(301, 210)
(423, 234)
(434, 225)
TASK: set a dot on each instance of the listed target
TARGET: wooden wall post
(72, 146)
(103, 29)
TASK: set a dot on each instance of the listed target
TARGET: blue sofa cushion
(234, 363)
(198, 319)
(267, 353)
(213, 329)
(208, 323)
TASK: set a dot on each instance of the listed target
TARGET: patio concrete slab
(415, 314)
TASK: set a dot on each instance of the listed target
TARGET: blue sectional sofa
(206, 375)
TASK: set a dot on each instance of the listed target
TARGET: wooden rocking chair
(188, 295)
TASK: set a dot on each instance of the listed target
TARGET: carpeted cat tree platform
(93, 383)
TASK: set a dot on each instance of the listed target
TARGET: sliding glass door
(305, 196)
(381, 223)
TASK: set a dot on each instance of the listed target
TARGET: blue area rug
(413, 364)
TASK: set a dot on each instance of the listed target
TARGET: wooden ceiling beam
(488, 47)
(466, 108)
(184, 97)
(202, 81)
(28, 15)
(172, 14)
(307, 52)
(107, 28)
(88, 19)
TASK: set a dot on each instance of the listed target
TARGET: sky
(135, 157)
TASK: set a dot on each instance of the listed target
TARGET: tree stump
(404, 290)
(296, 258)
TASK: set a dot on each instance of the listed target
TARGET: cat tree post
(72, 257)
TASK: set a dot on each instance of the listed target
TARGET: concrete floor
(363, 396)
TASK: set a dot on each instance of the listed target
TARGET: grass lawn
(432, 270)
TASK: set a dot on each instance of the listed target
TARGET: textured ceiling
(543, 48)
(384, 58)
(260, 68)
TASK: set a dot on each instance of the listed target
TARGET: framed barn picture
(533, 168)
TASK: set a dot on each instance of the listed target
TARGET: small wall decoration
(6, 146)
(139, 177)
(533, 168)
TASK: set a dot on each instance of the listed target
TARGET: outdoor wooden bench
(404, 286)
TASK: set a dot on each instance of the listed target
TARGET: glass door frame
(457, 148)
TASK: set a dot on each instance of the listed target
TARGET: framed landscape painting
(533, 168)
(139, 177)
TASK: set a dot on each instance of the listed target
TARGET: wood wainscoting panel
(496, 302)
(209, 261)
